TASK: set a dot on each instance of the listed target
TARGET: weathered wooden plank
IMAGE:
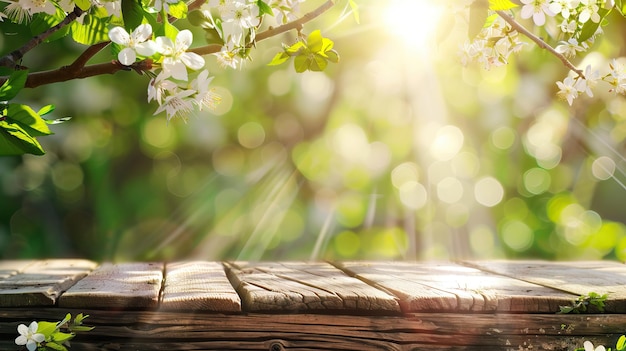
(149, 330)
(432, 286)
(300, 286)
(578, 278)
(117, 286)
(198, 286)
(12, 267)
(39, 283)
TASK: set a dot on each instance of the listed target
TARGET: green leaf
(278, 59)
(93, 30)
(590, 27)
(57, 121)
(68, 317)
(13, 85)
(318, 63)
(355, 9)
(45, 110)
(178, 10)
(61, 337)
(83, 4)
(170, 30)
(46, 328)
(42, 22)
(264, 8)
(14, 141)
(55, 346)
(621, 343)
(315, 41)
(500, 5)
(301, 63)
(296, 49)
(479, 11)
(332, 56)
(132, 13)
(28, 119)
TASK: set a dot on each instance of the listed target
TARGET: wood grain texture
(300, 286)
(39, 283)
(149, 330)
(198, 286)
(433, 286)
(577, 278)
(117, 286)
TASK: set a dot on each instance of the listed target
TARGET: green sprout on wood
(583, 302)
(47, 336)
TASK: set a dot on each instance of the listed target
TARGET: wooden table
(478, 305)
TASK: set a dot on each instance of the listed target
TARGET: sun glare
(413, 22)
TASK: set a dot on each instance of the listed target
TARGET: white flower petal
(147, 48)
(119, 35)
(176, 69)
(38, 337)
(184, 39)
(164, 45)
(127, 56)
(21, 340)
(192, 60)
(142, 33)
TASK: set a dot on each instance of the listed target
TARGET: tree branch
(78, 70)
(10, 60)
(542, 44)
(271, 32)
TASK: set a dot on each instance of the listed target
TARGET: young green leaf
(83, 4)
(28, 119)
(264, 8)
(315, 41)
(278, 59)
(56, 346)
(43, 21)
(45, 110)
(621, 343)
(57, 121)
(178, 10)
(14, 141)
(498, 5)
(132, 13)
(590, 27)
(93, 30)
(47, 328)
(13, 85)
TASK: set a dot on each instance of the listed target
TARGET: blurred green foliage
(394, 153)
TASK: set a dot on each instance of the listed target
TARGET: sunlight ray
(322, 238)
(282, 196)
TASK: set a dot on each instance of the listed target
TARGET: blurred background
(397, 152)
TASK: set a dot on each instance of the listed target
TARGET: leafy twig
(78, 70)
(271, 32)
(10, 60)
(542, 44)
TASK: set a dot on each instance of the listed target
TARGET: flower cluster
(170, 86)
(493, 45)
(573, 23)
(178, 83)
(236, 22)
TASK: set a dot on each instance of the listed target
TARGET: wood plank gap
(163, 281)
(471, 264)
(369, 282)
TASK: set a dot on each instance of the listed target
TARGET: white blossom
(176, 59)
